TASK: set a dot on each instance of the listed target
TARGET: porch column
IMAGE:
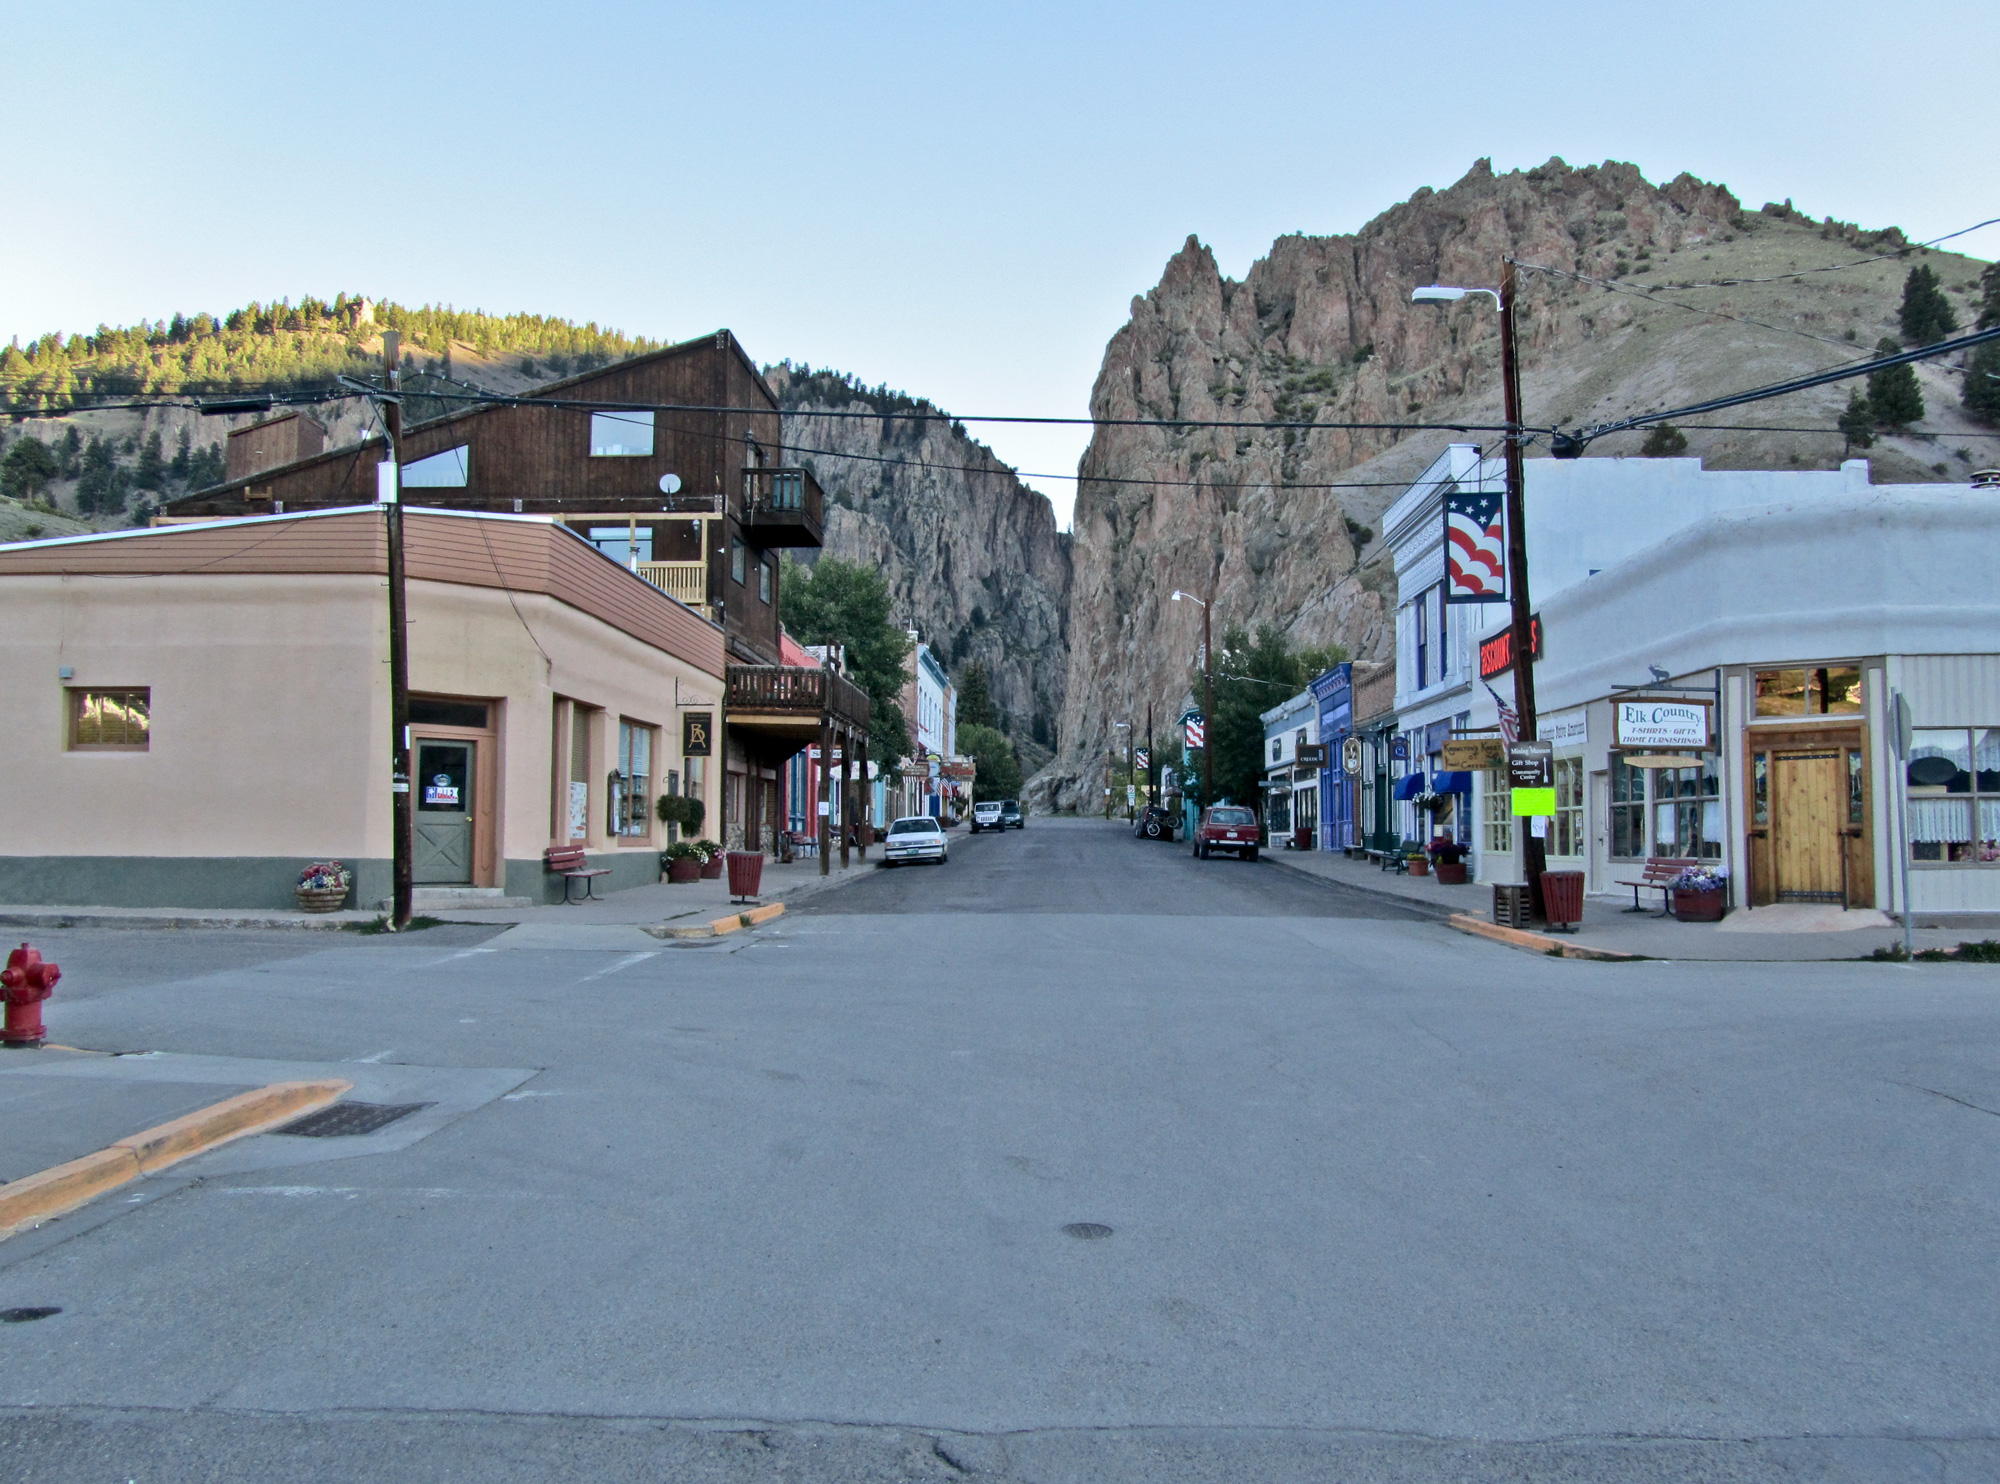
(867, 803)
(825, 792)
(846, 794)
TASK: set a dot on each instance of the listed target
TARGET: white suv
(986, 816)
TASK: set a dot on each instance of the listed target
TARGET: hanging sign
(1311, 754)
(1531, 766)
(1475, 547)
(1399, 749)
(1473, 754)
(1350, 757)
(1496, 655)
(696, 733)
(1662, 723)
(1142, 758)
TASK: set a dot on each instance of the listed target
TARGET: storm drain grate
(344, 1120)
(1087, 1231)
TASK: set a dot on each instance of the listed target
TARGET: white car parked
(915, 837)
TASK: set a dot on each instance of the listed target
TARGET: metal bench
(1658, 876)
(572, 864)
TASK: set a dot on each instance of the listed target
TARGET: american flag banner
(1475, 547)
(1510, 719)
(1197, 734)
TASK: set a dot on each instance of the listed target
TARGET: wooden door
(1809, 825)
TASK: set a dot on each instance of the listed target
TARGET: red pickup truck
(1226, 827)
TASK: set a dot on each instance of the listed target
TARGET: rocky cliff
(1277, 524)
(972, 556)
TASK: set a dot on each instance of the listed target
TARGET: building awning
(1409, 786)
(1453, 783)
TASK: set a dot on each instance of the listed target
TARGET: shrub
(1663, 441)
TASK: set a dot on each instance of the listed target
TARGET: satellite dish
(670, 484)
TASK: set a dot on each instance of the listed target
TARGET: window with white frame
(621, 435)
(1497, 814)
(631, 785)
(1566, 837)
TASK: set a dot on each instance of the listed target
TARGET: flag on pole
(1197, 733)
(1510, 719)
(1475, 546)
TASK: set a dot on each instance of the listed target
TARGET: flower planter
(713, 867)
(1698, 906)
(1451, 873)
(683, 869)
(320, 899)
(1420, 865)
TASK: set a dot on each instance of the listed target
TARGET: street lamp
(1532, 855)
(1207, 705)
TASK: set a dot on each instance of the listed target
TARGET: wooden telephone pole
(402, 822)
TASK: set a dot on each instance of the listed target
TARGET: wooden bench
(1658, 876)
(573, 865)
(1397, 858)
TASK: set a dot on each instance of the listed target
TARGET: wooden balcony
(783, 507)
(687, 581)
(794, 697)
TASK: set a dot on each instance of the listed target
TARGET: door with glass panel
(444, 781)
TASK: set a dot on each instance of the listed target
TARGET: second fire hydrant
(26, 982)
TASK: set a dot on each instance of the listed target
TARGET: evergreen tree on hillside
(178, 467)
(1927, 316)
(1893, 394)
(975, 699)
(1857, 424)
(104, 484)
(1664, 441)
(69, 454)
(1982, 369)
(152, 471)
(27, 469)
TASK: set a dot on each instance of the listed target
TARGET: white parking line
(623, 963)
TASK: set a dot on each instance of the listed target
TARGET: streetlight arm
(1438, 293)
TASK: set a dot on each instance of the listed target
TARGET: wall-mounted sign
(1399, 749)
(1662, 723)
(1311, 754)
(1496, 655)
(1530, 765)
(1565, 728)
(697, 733)
(1474, 754)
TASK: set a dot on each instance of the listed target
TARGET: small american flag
(1197, 734)
(1475, 545)
(1510, 719)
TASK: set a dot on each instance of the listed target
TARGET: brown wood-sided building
(668, 462)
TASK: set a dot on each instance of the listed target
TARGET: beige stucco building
(196, 712)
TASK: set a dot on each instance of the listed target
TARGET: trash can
(1562, 899)
(1302, 837)
(746, 873)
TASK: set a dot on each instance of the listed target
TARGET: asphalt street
(1072, 1159)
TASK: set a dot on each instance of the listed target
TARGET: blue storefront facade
(1334, 694)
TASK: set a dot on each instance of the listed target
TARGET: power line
(1727, 283)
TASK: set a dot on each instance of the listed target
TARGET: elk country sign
(1662, 724)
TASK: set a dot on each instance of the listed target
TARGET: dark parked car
(1010, 815)
(1155, 822)
(1227, 827)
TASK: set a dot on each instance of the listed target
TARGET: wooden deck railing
(797, 688)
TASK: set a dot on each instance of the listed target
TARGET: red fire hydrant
(26, 982)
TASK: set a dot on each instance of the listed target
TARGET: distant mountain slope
(1323, 328)
(972, 555)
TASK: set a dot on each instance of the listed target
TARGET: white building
(929, 705)
(1291, 787)
(1787, 606)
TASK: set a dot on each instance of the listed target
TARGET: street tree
(836, 602)
(975, 699)
(996, 770)
(1251, 676)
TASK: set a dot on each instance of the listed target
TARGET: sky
(958, 201)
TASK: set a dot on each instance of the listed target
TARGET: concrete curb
(87, 918)
(736, 922)
(51, 1192)
(1536, 942)
(1442, 911)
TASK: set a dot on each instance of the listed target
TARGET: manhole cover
(25, 1316)
(1087, 1231)
(344, 1120)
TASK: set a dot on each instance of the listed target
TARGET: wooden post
(846, 795)
(402, 814)
(867, 822)
(825, 804)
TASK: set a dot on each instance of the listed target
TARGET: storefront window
(1497, 834)
(1687, 811)
(1831, 690)
(1628, 810)
(631, 784)
(1760, 790)
(1954, 790)
(1567, 838)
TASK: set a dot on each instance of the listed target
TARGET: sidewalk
(659, 905)
(1794, 933)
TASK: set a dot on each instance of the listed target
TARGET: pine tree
(179, 467)
(1927, 316)
(1857, 424)
(152, 472)
(975, 699)
(103, 484)
(27, 469)
(69, 454)
(1982, 370)
(1893, 394)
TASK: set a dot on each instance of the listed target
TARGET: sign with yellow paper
(1529, 801)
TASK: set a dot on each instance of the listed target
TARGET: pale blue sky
(958, 201)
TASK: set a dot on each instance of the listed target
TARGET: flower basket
(682, 861)
(323, 887)
(1451, 873)
(712, 865)
(1698, 906)
(1420, 865)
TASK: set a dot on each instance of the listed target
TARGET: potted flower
(1448, 856)
(712, 862)
(1697, 893)
(323, 886)
(683, 860)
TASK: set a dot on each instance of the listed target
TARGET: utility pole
(402, 812)
(1207, 710)
(1152, 760)
(1534, 855)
